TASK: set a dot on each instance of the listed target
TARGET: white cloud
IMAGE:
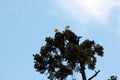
(90, 9)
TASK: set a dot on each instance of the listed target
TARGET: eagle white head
(56, 30)
(67, 28)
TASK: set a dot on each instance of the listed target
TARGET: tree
(59, 62)
(113, 77)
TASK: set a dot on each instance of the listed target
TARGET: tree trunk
(83, 71)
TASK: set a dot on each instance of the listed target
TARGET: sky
(24, 24)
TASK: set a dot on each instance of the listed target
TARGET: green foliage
(59, 62)
(113, 77)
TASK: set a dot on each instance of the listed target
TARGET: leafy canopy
(58, 58)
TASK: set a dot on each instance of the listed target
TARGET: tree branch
(94, 75)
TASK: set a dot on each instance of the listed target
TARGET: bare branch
(94, 75)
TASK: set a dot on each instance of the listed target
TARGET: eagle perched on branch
(70, 36)
(59, 40)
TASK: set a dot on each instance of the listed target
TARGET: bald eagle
(70, 36)
(59, 40)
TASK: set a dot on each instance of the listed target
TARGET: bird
(71, 36)
(59, 40)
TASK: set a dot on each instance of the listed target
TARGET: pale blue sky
(24, 24)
